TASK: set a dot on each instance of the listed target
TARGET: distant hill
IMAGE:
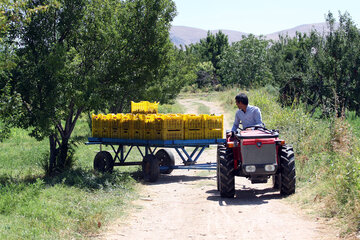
(181, 35)
(305, 28)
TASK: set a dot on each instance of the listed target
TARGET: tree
(320, 71)
(8, 17)
(341, 63)
(205, 75)
(76, 55)
(210, 49)
(292, 65)
(246, 63)
(139, 55)
(181, 72)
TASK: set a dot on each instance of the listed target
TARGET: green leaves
(246, 63)
(73, 56)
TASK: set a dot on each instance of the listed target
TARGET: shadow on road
(168, 179)
(246, 196)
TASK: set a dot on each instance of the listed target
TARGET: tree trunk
(63, 154)
(53, 153)
(59, 159)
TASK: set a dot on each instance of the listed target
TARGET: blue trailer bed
(152, 163)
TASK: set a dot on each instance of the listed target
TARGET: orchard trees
(73, 56)
(245, 63)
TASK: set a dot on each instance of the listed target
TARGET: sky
(260, 16)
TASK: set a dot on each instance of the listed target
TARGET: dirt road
(186, 205)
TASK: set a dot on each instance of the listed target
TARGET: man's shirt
(251, 117)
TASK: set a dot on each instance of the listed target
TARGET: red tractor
(257, 154)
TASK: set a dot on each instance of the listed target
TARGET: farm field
(82, 203)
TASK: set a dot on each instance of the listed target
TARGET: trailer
(152, 163)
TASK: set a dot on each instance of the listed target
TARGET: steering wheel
(254, 127)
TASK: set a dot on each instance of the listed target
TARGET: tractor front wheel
(221, 150)
(288, 174)
(226, 175)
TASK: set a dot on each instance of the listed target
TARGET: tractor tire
(104, 162)
(166, 158)
(227, 173)
(276, 180)
(150, 168)
(221, 150)
(287, 171)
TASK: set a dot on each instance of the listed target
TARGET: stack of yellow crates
(126, 126)
(194, 126)
(116, 125)
(169, 126)
(213, 126)
(156, 126)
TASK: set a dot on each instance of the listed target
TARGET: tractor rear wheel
(288, 174)
(227, 175)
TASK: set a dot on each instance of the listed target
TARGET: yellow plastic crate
(150, 134)
(153, 107)
(138, 121)
(105, 126)
(169, 121)
(116, 126)
(127, 121)
(137, 134)
(213, 121)
(144, 107)
(213, 133)
(96, 128)
(194, 134)
(174, 122)
(169, 134)
(126, 134)
(149, 121)
(140, 107)
(193, 121)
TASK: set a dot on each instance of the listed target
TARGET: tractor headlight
(269, 168)
(250, 168)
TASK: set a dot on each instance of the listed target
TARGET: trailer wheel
(288, 174)
(221, 150)
(227, 175)
(150, 168)
(166, 159)
(104, 162)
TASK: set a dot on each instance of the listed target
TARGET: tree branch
(79, 111)
(60, 129)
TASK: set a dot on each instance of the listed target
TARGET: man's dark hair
(242, 98)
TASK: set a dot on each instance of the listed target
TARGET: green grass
(202, 109)
(68, 206)
(326, 151)
(171, 108)
(71, 205)
(354, 121)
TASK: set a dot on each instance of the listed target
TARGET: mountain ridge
(184, 35)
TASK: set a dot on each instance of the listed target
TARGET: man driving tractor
(247, 114)
(254, 152)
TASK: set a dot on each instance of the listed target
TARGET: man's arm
(236, 122)
(257, 117)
